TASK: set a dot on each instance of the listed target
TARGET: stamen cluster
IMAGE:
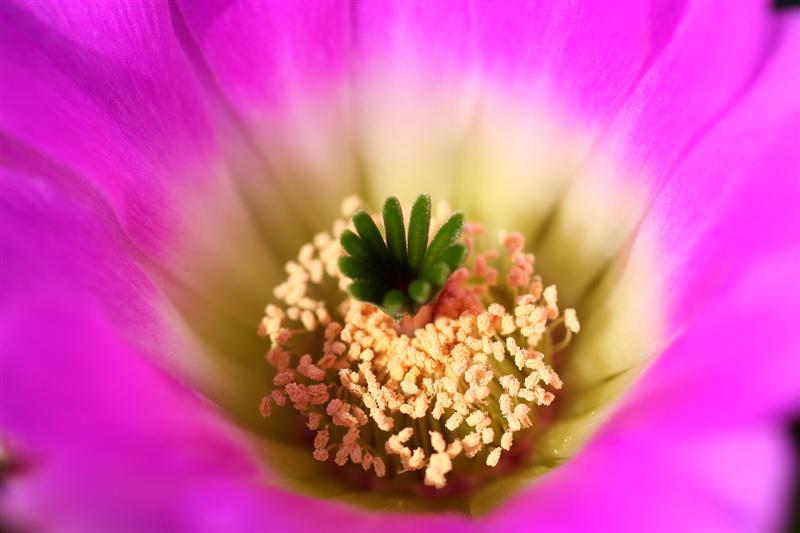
(459, 388)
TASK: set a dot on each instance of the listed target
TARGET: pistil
(400, 275)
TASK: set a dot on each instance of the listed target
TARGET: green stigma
(403, 271)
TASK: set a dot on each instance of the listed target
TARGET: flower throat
(415, 360)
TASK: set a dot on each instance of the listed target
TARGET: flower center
(415, 387)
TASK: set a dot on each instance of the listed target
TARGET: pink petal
(103, 89)
(731, 206)
(99, 98)
(737, 361)
(715, 52)
(640, 479)
(586, 56)
(264, 55)
(58, 230)
(278, 73)
(107, 441)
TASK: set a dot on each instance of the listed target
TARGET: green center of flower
(453, 396)
(397, 274)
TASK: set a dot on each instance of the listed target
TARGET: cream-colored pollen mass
(397, 402)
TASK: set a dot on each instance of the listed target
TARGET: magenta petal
(99, 431)
(433, 40)
(714, 53)
(106, 440)
(737, 361)
(101, 98)
(263, 55)
(279, 74)
(731, 205)
(640, 479)
(587, 55)
(266, 55)
(58, 230)
(103, 89)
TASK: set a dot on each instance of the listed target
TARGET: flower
(161, 161)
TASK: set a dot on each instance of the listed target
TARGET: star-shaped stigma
(403, 272)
